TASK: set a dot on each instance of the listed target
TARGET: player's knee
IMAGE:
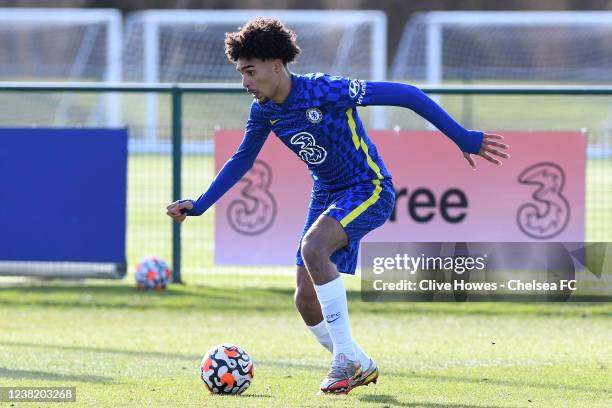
(312, 250)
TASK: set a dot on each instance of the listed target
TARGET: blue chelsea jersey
(319, 122)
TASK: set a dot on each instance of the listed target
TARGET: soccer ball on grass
(226, 369)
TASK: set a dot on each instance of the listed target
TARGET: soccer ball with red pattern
(153, 273)
(226, 369)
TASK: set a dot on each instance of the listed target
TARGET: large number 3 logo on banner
(255, 210)
(309, 152)
(552, 213)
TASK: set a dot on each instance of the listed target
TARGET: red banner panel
(536, 195)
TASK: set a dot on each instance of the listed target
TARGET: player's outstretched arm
(490, 147)
(232, 171)
(257, 131)
(230, 174)
(411, 97)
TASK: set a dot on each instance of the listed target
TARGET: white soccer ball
(226, 369)
(153, 273)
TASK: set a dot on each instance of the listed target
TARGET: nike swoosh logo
(333, 320)
(273, 121)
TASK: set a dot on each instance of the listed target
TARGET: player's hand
(174, 210)
(491, 146)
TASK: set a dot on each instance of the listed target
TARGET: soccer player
(315, 116)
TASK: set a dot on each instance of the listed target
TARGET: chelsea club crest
(314, 115)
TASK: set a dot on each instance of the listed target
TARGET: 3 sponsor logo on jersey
(314, 115)
(309, 151)
(357, 89)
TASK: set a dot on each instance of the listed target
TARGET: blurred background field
(441, 44)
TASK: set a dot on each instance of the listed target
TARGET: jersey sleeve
(338, 93)
(235, 168)
(411, 97)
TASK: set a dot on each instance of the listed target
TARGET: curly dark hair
(263, 38)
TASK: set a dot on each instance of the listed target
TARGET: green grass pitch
(120, 347)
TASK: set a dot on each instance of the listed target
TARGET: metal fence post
(177, 127)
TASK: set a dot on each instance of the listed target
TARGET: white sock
(322, 335)
(332, 297)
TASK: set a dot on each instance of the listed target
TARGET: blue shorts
(359, 209)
